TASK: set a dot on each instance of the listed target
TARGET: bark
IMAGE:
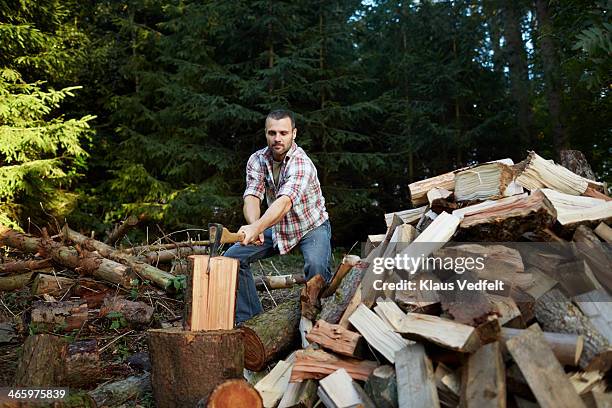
(23, 266)
(143, 270)
(187, 366)
(135, 313)
(552, 76)
(309, 297)
(51, 285)
(518, 70)
(382, 387)
(335, 305)
(167, 255)
(8, 283)
(65, 316)
(234, 393)
(49, 360)
(556, 313)
(271, 334)
(118, 392)
(575, 161)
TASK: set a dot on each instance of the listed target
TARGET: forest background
(112, 108)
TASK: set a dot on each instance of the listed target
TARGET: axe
(220, 235)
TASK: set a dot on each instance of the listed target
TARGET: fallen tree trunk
(8, 283)
(135, 313)
(145, 271)
(270, 334)
(51, 285)
(279, 281)
(65, 316)
(24, 266)
(85, 262)
(138, 250)
(167, 255)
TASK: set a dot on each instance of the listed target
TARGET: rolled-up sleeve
(255, 178)
(296, 181)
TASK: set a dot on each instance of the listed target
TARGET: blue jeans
(315, 246)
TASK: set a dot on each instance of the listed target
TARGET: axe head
(215, 231)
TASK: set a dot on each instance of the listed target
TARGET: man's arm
(273, 214)
(251, 208)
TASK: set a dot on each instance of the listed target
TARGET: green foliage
(117, 320)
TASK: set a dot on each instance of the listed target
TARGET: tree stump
(188, 365)
(270, 334)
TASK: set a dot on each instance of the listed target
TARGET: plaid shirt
(297, 180)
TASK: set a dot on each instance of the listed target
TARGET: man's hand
(251, 235)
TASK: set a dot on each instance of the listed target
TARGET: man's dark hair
(281, 114)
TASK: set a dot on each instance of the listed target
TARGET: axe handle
(231, 237)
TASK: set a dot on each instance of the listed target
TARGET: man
(296, 214)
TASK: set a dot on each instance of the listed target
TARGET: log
(337, 339)
(537, 173)
(445, 333)
(122, 229)
(51, 285)
(334, 306)
(597, 306)
(377, 333)
(566, 347)
(484, 378)
(483, 182)
(275, 383)
(139, 250)
(597, 256)
(604, 232)
(381, 386)
(309, 296)
(300, 395)
(557, 314)
(542, 370)
(271, 334)
(8, 283)
(145, 271)
(348, 262)
(116, 393)
(186, 366)
(135, 313)
(92, 291)
(63, 316)
(337, 391)
(279, 281)
(316, 364)
(576, 278)
(419, 189)
(448, 383)
(416, 385)
(466, 306)
(24, 266)
(49, 360)
(234, 393)
(85, 262)
(167, 255)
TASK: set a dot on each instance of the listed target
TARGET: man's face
(280, 136)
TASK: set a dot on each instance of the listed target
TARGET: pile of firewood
(543, 340)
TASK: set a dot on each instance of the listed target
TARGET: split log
(24, 266)
(483, 182)
(271, 334)
(122, 229)
(49, 360)
(566, 347)
(448, 383)
(279, 281)
(348, 262)
(145, 271)
(300, 395)
(542, 370)
(187, 365)
(85, 262)
(234, 393)
(508, 221)
(542, 283)
(316, 364)
(372, 242)
(507, 311)
(338, 339)
(135, 313)
(557, 314)
(573, 210)
(597, 306)
(381, 386)
(51, 285)
(604, 232)
(466, 306)
(309, 297)
(576, 278)
(8, 283)
(337, 391)
(65, 316)
(377, 333)
(445, 333)
(334, 306)
(419, 189)
(116, 393)
(597, 256)
(409, 216)
(416, 385)
(484, 378)
(275, 383)
(390, 313)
